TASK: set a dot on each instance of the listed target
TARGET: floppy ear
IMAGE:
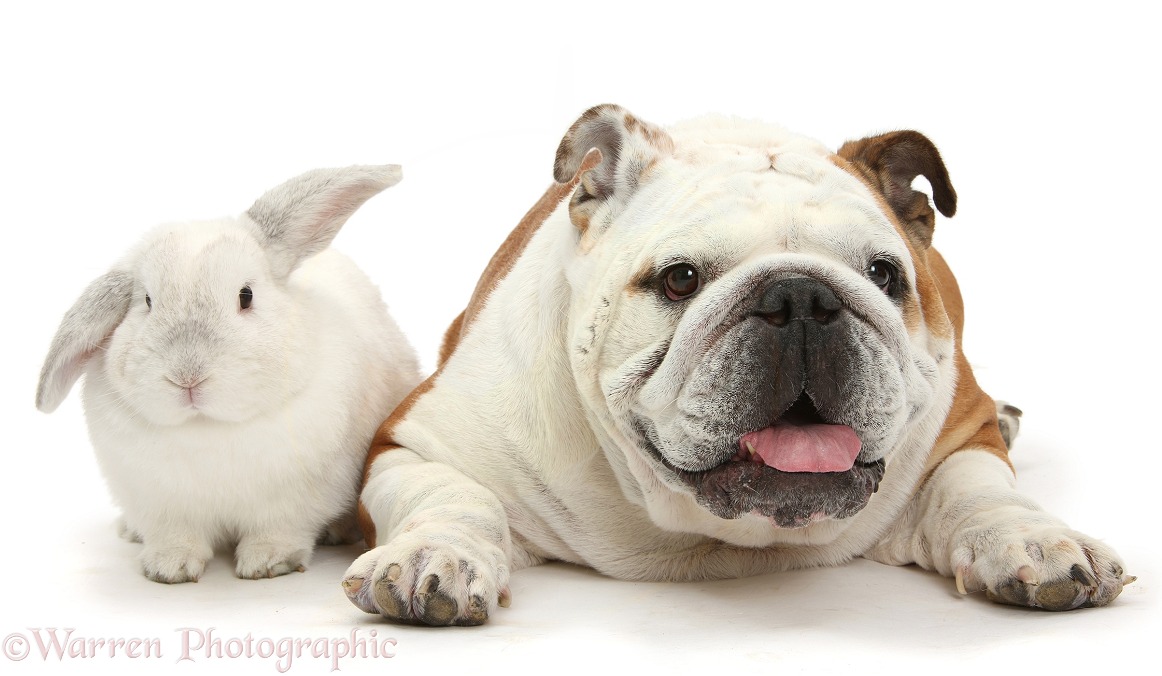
(628, 148)
(86, 325)
(890, 162)
(299, 218)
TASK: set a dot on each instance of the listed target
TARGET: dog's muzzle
(782, 435)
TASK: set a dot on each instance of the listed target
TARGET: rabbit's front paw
(342, 532)
(128, 532)
(258, 559)
(174, 563)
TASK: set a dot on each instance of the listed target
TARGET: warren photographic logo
(197, 645)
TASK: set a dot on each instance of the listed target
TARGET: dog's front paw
(425, 580)
(175, 563)
(1027, 558)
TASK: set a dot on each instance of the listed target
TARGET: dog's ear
(628, 147)
(889, 162)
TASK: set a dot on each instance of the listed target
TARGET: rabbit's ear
(86, 325)
(299, 218)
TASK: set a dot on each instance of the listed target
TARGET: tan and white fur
(235, 372)
(589, 408)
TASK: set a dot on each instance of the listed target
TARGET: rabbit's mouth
(193, 397)
(202, 403)
(191, 392)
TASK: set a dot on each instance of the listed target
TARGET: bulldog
(710, 351)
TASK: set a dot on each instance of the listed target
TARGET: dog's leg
(445, 550)
(969, 522)
(1009, 422)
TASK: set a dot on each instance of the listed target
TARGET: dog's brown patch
(451, 338)
(656, 136)
(970, 425)
(890, 162)
(951, 302)
(366, 525)
(511, 249)
(565, 148)
(382, 442)
(931, 308)
(643, 279)
(972, 420)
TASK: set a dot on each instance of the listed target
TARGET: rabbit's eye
(148, 302)
(245, 297)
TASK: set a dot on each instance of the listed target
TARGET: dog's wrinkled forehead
(660, 169)
(733, 189)
(715, 139)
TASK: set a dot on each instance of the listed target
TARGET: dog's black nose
(798, 298)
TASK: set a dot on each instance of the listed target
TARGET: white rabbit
(236, 371)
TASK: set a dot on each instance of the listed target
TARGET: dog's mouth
(800, 440)
(798, 470)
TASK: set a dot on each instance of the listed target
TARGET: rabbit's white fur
(216, 424)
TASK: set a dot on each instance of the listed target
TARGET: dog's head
(753, 327)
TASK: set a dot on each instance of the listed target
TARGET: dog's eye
(680, 281)
(148, 302)
(882, 273)
(245, 297)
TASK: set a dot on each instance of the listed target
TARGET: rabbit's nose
(188, 376)
(189, 382)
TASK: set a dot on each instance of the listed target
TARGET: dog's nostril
(775, 310)
(821, 313)
(798, 299)
(777, 317)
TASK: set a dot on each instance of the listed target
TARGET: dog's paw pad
(433, 606)
(1038, 565)
(434, 583)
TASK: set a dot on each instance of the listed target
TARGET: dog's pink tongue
(804, 448)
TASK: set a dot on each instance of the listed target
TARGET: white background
(115, 117)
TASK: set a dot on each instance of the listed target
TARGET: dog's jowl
(712, 350)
